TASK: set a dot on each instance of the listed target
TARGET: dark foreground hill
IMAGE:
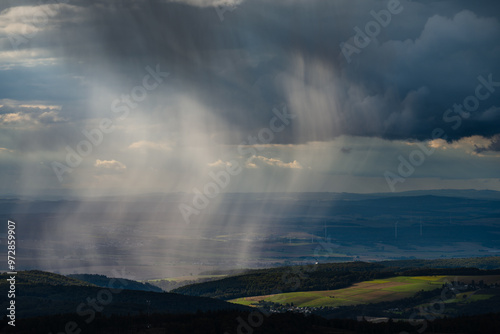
(39, 293)
(231, 322)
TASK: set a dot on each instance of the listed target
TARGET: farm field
(373, 291)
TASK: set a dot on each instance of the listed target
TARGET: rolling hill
(331, 276)
(103, 281)
(40, 293)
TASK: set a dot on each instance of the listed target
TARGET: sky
(124, 97)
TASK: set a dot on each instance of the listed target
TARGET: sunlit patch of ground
(365, 292)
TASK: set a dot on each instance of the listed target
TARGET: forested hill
(331, 276)
(103, 281)
(286, 279)
(30, 277)
(40, 293)
(490, 262)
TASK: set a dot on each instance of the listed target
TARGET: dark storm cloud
(399, 87)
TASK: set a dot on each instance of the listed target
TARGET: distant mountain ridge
(464, 193)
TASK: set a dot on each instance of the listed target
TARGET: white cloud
(209, 3)
(24, 28)
(249, 164)
(50, 116)
(474, 145)
(15, 118)
(27, 21)
(113, 165)
(260, 160)
(5, 150)
(36, 105)
(150, 145)
(219, 163)
(23, 119)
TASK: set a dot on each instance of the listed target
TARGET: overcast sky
(128, 96)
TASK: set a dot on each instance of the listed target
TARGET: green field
(468, 297)
(374, 291)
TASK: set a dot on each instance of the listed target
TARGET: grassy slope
(373, 291)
